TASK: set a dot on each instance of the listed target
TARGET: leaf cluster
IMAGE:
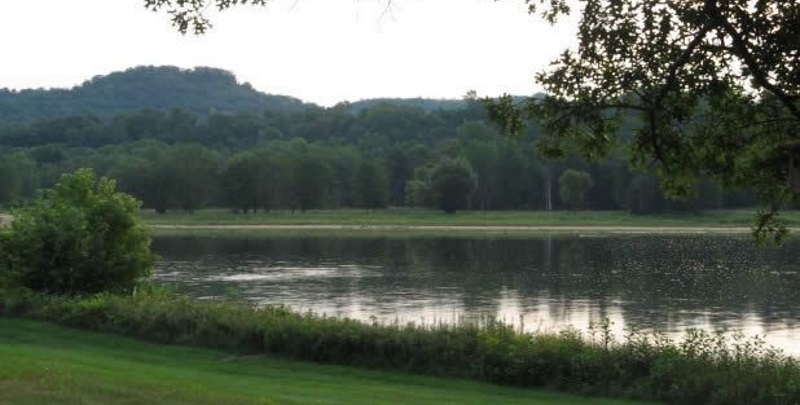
(191, 14)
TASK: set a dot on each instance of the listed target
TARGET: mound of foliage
(82, 237)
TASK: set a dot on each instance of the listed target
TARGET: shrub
(82, 237)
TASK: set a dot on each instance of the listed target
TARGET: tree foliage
(371, 185)
(82, 237)
(714, 87)
(249, 181)
(453, 182)
(191, 14)
(18, 178)
(573, 186)
(309, 176)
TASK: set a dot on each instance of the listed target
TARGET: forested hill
(206, 140)
(426, 104)
(200, 90)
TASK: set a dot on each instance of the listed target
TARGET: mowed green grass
(417, 217)
(45, 364)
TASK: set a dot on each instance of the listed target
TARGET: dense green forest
(200, 90)
(186, 139)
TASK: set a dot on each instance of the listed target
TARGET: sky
(321, 51)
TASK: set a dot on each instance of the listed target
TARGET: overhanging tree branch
(741, 49)
(672, 76)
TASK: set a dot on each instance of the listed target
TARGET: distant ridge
(202, 90)
(427, 104)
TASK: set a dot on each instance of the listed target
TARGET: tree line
(383, 155)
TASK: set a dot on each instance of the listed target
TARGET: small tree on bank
(572, 188)
(453, 182)
(82, 237)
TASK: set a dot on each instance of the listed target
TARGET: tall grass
(702, 369)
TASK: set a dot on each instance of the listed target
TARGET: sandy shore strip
(475, 228)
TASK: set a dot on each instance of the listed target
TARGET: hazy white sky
(323, 51)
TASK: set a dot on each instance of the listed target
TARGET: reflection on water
(667, 283)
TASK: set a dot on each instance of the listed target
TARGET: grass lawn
(45, 364)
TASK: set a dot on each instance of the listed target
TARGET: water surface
(665, 283)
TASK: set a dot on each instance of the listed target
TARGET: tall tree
(180, 176)
(419, 190)
(572, 187)
(311, 178)
(453, 182)
(371, 185)
(644, 195)
(248, 181)
(714, 84)
(193, 170)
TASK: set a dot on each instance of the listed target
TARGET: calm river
(665, 283)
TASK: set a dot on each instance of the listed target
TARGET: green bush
(82, 237)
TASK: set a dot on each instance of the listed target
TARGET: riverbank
(409, 217)
(409, 220)
(45, 363)
(417, 222)
(445, 229)
(430, 222)
(703, 369)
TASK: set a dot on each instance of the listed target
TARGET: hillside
(201, 90)
(426, 104)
